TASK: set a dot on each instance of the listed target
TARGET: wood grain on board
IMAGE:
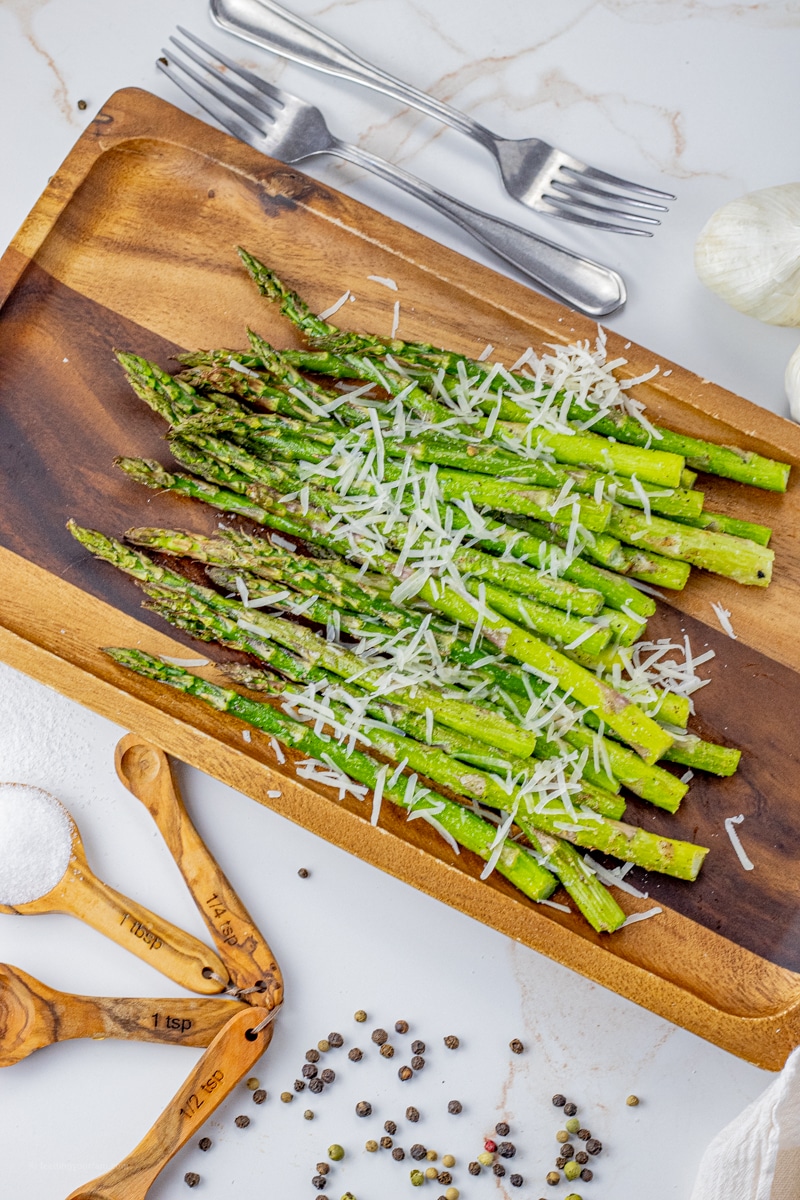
(132, 246)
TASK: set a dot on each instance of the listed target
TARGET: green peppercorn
(253, 1083)
(417, 1178)
(572, 1196)
(572, 1125)
(572, 1169)
(335, 1152)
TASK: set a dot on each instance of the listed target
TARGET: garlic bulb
(791, 382)
(749, 254)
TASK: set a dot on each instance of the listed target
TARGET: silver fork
(534, 172)
(277, 123)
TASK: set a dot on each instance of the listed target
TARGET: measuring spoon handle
(229, 1057)
(177, 954)
(180, 1021)
(146, 771)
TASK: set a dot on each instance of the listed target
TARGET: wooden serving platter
(132, 246)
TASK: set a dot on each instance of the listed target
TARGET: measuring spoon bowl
(33, 1015)
(226, 1061)
(146, 771)
(177, 954)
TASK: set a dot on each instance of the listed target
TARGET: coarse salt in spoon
(43, 869)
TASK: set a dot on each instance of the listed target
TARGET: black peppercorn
(499, 1170)
(387, 1050)
(412, 1114)
(191, 1179)
(312, 1056)
(335, 1039)
(584, 1135)
(82, 106)
(593, 1146)
(204, 1143)
(454, 1106)
(299, 1084)
(417, 1047)
(398, 1154)
(570, 1109)
(363, 1108)
(401, 1026)
(319, 1182)
(559, 1100)
(418, 1062)
(418, 1152)
(309, 1070)
(582, 1157)
(586, 1175)
(405, 1073)
(561, 1163)
(390, 1127)
(316, 1086)
(327, 1076)
(386, 1143)
(355, 1055)
(501, 1129)
(444, 1177)
(508, 1149)
(567, 1150)
(242, 1122)
(452, 1042)
(259, 1096)
(516, 1181)
(516, 1046)
(379, 1036)
(303, 873)
(474, 1168)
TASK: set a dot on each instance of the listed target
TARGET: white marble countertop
(687, 96)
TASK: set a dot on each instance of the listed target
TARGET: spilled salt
(35, 842)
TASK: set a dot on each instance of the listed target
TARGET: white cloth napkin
(757, 1156)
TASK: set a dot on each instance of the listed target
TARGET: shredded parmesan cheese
(724, 617)
(385, 280)
(334, 308)
(735, 842)
(640, 916)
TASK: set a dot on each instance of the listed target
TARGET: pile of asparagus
(467, 538)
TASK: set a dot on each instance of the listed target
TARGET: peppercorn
(355, 1055)
(379, 1036)
(452, 1042)
(586, 1175)
(371, 1145)
(516, 1046)
(559, 1100)
(515, 1180)
(303, 873)
(444, 1177)
(386, 1143)
(252, 1083)
(323, 1168)
(398, 1154)
(431, 1172)
(501, 1128)
(348, 1196)
(632, 1101)
(336, 1152)
(82, 106)
(572, 1196)
(582, 1157)
(387, 1050)
(572, 1170)
(316, 1086)
(390, 1126)
(312, 1056)
(584, 1135)
(485, 1159)
(412, 1114)
(417, 1178)
(499, 1170)
(474, 1168)
(299, 1084)
(451, 1194)
(335, 1039)
(287, 1097)
(417, 1047)
(401, 1026)
(242, 1122)
(327, 1076)
(570, 1109)
(553, 1178)
(490, 1145)
(308, 1114)
(448, 1160)
(418, 1152)
(323, 1045)
(363, 1108)
(431, 1155)
(319, 1182)
(204, 1143)
(593, 1146)
(561, 1163)
(191, 1179)
(359, 1015)
(454, 1107)
(506, 1149)
(573, 1125)
(562, 1136)
(417, 1062)
(405, 1073)
(567, 1150)
(309, 1070)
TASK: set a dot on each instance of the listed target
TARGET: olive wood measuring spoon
(146, 771)
(33, 1015)
(229, 1057)
(79, 892)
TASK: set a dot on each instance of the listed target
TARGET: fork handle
(267, 24)
(584, 284)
